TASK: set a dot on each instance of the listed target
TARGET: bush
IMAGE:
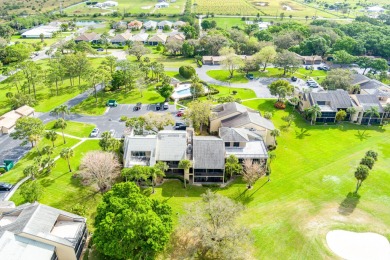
(268, 115)
(147, 192)
(368, 161)
(186, 71)
(31, 191)
(372, 154)
(271, 147)
(123, 118)
(2, 170)
(280, 105)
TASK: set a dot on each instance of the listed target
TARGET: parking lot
(114, 113)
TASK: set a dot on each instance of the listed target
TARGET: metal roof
(368, 101)
(208, 152)
(334, 99)
(171, 145)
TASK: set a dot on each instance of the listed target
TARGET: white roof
(376, 8)
(162, 4)
(141, 37)
(162, 23)
(150, 24)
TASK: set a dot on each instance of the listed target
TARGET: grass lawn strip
(73, 128)
(61, 190)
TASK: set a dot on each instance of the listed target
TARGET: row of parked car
(95, 132)
(325, 68)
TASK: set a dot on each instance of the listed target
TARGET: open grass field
(16, 173)
(46, 96)
(73, 128)
(61, 190)
(224, 75)
(33, 6)
(48, 41)
(312, 176)
(134, 6)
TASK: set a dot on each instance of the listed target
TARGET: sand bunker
(287, 8)
(146, 7)
(358, 246)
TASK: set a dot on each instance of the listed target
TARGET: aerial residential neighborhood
(178, 129)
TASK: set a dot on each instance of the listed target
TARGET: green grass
(46, 96)
(135, 6)
(89, 106)
(73, 128)
(61, 190)
(224, 75)
(48, 41)
(16, 174)
(176, 75)
(311, 176)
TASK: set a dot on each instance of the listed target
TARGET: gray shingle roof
(368, 101)
(359, 79)
(248, 118)
(229, 108)
(171, 145)
(237, 135)
(335, 99)
(38, 220)
(208, 152)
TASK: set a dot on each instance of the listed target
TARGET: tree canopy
(130, 225)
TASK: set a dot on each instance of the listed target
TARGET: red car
(179, 113)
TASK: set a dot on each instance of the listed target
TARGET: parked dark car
(307, 67)
(157, 106)
(100, 49)
(294, 78)
(180, 127)
(137, 106)
(250, 76)
(320, 68)
(5, 186)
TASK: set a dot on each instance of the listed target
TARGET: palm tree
(61, 123)
(314, 111)
(64, 110)
(386, 109)
(351, 111)
(66, 154)
(52, 136)
(56, 111)
(271, 157)
(157, 171)
(185, 165)
(275, 133)
(361, 174)
(48, 150)
(372, 111)
(34, 139)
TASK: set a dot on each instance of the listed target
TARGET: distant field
(133, 6)
(264, 8)
(33, 6)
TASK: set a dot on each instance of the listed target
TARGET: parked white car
(95, 132)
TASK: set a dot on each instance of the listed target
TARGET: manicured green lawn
(224, 75)
(311, 177)
(89, 106)
(73, 128)
(16, 174)
(176, 75)
(63, 191)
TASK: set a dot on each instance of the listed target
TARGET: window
(236, 144)
(227, 144)
(321, 103)
(134, 153)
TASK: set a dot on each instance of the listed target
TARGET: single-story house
(176, 38)
(120, 25)
(235, 115)
(46, 30)
(161, 24)
(263, 25)
(179, 24)
(311, 60)
(121, 39)
(37, 231)
(140, 37)
(150, 25)
(88, 37)
(158, 38)
(8, 120)
(216, 60)
(135, 25)
(376, 9)
(330, 103)
(162, 5)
